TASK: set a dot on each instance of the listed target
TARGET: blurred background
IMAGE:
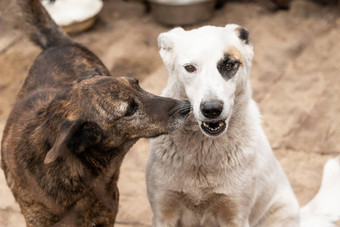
(295, 75)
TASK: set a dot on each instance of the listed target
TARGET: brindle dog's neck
(101, 160)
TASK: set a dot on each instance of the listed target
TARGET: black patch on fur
(228, 73)
(244, 35)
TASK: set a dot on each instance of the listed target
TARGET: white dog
(219, 170)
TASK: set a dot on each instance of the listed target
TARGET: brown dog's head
(111, 112)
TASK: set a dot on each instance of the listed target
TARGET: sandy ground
(295, 79)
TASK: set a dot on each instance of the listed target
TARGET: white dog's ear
(166, 43)
(241, 32)
(243, 35)
(166, 40)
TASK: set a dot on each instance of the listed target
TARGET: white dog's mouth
(214, 128)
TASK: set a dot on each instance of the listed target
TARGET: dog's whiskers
(179, 109)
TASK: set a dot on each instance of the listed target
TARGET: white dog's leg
(324, 208)
(158, 223)
(167, 213)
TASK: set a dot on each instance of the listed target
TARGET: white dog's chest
(209, 166)
(204, 208)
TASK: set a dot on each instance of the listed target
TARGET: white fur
(232, 179)
(324, 208)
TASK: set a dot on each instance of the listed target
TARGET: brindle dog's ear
(74, 137)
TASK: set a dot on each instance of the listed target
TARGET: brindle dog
(70, 128)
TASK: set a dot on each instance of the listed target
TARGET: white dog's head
(209, 66)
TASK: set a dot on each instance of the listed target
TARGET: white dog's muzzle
(214, 123)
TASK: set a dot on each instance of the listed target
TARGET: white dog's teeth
(215, 128)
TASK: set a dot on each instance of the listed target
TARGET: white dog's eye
(190, 68)
(229, 66)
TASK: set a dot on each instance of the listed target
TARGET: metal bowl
(181, 12)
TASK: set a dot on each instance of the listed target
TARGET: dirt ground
(295, 79)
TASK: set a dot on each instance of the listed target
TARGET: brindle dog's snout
(182, 109)
(185, 108)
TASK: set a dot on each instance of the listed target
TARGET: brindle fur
(70, 129)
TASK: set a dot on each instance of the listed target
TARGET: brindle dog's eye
(229, 66)
(132, 108)
(190, 68)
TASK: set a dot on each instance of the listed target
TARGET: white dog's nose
(211, 109)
